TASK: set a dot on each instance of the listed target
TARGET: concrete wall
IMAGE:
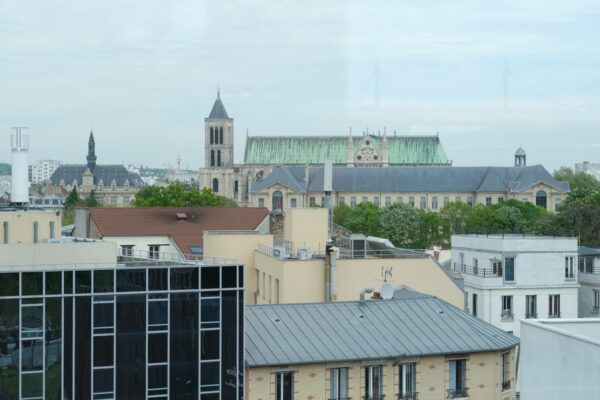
(484, 378)
(21, 226)
(306, 227)
(556, 365)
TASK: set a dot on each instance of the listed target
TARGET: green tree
(91, 201)
(580, 214)
(340, 214)
(72, 199)
(177, 195)
(364, 218)
(430, 230)
(577, 180)
(400, 225)
(453, 219)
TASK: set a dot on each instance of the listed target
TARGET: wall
(21, 226)
(484, 378)
(306, 227)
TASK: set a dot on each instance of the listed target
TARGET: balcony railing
(458, 393)
(507, 315)
(340, 398)
(411, 396)
(378, 397)
(505, 386)
(478, 271)
(531, 316)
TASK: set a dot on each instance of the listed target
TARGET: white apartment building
(42, 170)
(512, 277)
(589, 279)
(589, 168)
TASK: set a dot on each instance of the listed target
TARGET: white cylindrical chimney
(19, 144)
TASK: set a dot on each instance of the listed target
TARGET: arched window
(212, 158)
(277, 200)
(236, 187)
(219, 158)
(541, 199)
(221, 135)
(215, 185)
(212, 137)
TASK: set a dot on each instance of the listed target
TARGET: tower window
(221, 135)
(215, 185)
(218, 158)
(212, 137)
(212, 158)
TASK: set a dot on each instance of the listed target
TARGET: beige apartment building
(26, 227)
(411, 347)
(300, 269)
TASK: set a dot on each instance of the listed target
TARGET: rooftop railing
(478, 271)
(132, 257)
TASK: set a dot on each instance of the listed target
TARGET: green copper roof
(276, 150)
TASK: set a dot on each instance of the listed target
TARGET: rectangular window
(557, 205)
(474, 304)
(264, 286)
(407, 388)
(154, 251)
(257, 284)
(51, 229)
(423, 203)
(470, 201)
(373, 382)
(352, 202)
(458, 199)
(475, 266)
(507, 309)
(500, 199)
(434, 203)
(312, 201)
(509, 269)
(589, 265)
(270, 288)
(261, 202)
(376, 200)
(505, 371)
(339, 384)
(365, 200)
(596, 303)
(284, 386)
(322, 201)
(446, 201)
(411, 201)
(554, 306)
(569, 271)
(35, 232)
(488, 201)
(531, 306)
(399, 200)
(276, 291)
(497, 267)
(5, 229)
(127, 250)
(341, 200)
(457, 379)
(388, 201)
(293, 203)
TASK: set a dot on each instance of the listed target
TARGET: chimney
(19, 144)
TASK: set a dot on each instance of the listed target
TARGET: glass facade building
(152, 332)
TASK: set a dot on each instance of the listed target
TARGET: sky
(487, 77)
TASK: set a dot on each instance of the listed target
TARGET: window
(500, 199)
(270, 288)
(596, 304)
(341, 201)
(365, 200)
(470, 201)
(257, 285)
(339, 384)
(322, 201)
(51, 229)
(376, 200)
(35, 232)
(277, 200)
(312, 202)
(212, 158)
(261, 202)
(264, 284)
(221, 135)
(569, 271)
(218, 158)
(509, 269)
(488, 201)
(153, 251)
(557, 205)
(505, 371)
(285, 386)
(497, 267)
(127, 250)
(293, 203)
(236, 187)
(352, 202)
(554, 306)
(388, 201)
(531, 306)
(276, 290)
(113, 199)
(434, 203)
(457, 379)
(458, 199)
(5, 229)
(407, 383)
(423, 204)
(411, 201)
(507, 310)
(212, 139)
(399, 200)
(215, 185)
(446, 201)
(541, 199)
(475, 266)
(373, 383)
(474, 306)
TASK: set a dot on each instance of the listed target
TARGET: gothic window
(212, 158)
(221, 135)
(212, 138)
(215, 185)
(541, 199)
(218, 158)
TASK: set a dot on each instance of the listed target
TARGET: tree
(453, 219)
(400, 225)
(72, 199)
(577, 180)
(580, 213)
(340, 213)
(430, 230)
(364, 218)
(177, 195)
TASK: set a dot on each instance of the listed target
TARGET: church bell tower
(218, 137)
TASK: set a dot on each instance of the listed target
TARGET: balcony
(507, 315)
(505, 386)
(478, 271)
(377, 397)
(458, 393)
(411, 396)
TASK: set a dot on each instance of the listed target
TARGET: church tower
(91, 156)
(218, 137)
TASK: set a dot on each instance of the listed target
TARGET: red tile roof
(163, 221)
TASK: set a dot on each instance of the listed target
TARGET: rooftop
(410, 326)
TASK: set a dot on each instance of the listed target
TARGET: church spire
(218, 110)
(91, 156)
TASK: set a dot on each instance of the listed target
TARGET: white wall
(141, 243)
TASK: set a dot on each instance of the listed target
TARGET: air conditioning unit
(305, 253)
(280, 252)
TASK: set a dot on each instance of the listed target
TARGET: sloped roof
(414, 179)
(218, 110)
(285, 334)
(71, 172)
(589, 251)
(162, 221)
(290, 150)
(520, 152)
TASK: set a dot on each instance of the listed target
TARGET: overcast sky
(145, 73)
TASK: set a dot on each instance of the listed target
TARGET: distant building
(415, 347)
(111, 184)
(559, 359)
(42, 170)
(589, 279)
(5, 185)
(589, 168)
(512, 277)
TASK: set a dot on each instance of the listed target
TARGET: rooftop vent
(181, 216)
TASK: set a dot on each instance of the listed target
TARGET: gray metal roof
(414, 179)
(218, 110)
(520, 152)
(589, 251)
(422, 325)
(105, 173)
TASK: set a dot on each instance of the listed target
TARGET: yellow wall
(21, 226)
(306, 227)
(312, 381)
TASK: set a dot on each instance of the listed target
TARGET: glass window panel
(229, 276)
(83, 281)
(104, 315)
(131, 280)
(209, 373)
(209, 345)
(31, 386)
(210, 310)
(157, 348)
(32, 355)
(103, 351)
(31, 283)
(53, 283)
(53, 347)
(157, 279)
(509, 269)
(68, 277)
(9, 284)
(103, 380)
(104, 281)
(157, 312)
(210, 278)
(184, 278)
(210, 396)
(32, 321)
(157, 376)
(240, 276)
(9, 347)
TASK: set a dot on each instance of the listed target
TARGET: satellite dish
(387, 291)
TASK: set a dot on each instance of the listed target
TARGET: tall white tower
(19, 144)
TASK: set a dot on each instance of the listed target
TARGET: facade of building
(589, 168)
(111, 184)
(429, 188)
(42, 170)
(223, 176)
(512, 277)
(559, 359)
(77, 321)
(416, 347)
(589, 279)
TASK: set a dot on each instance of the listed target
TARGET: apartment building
(589, 279)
